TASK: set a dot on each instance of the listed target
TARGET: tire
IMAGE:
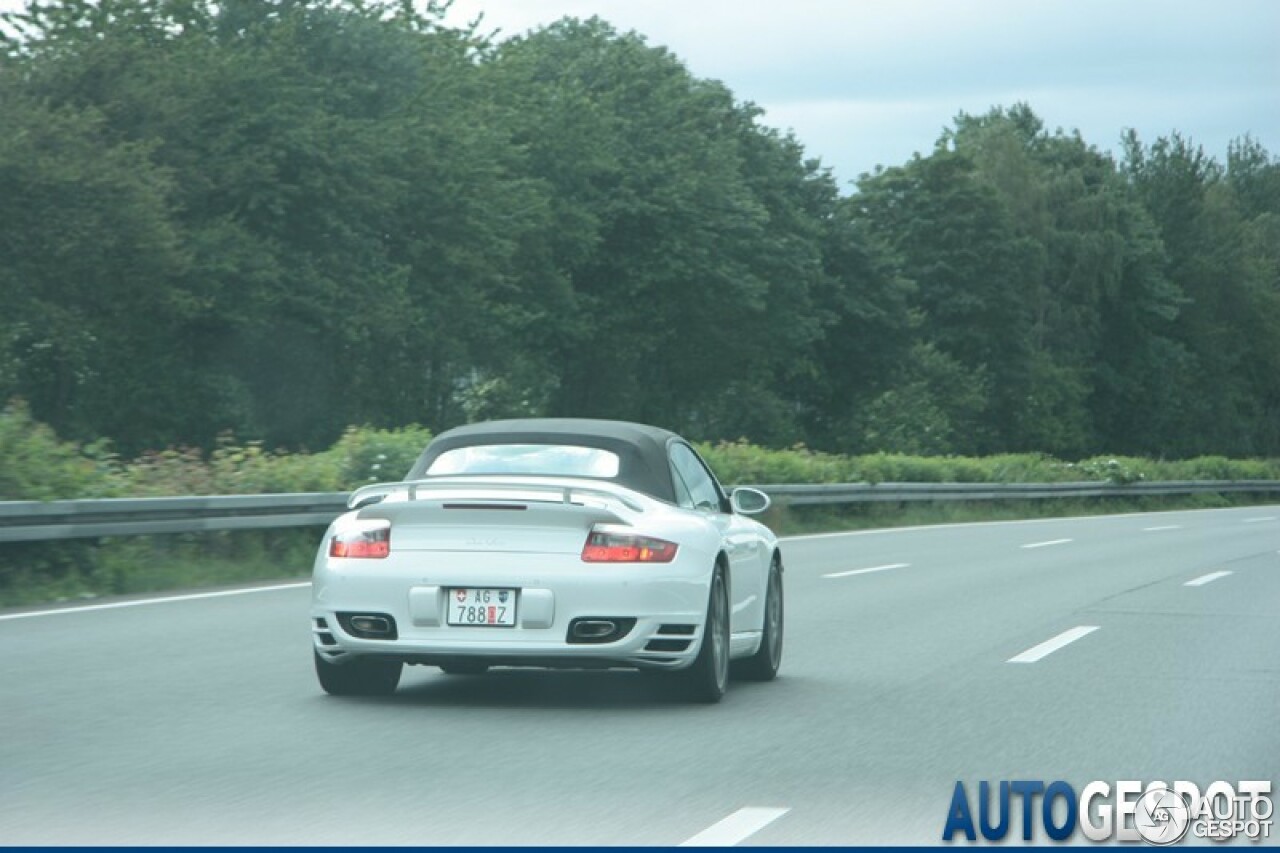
(763, 665)
(464, 667)
(707, 678)
(362, 676)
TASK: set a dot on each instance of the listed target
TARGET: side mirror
(748, 501)
(369, 500)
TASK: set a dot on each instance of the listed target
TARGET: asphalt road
(198, 720)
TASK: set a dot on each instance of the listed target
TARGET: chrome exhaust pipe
(594, 629)
(371, 624)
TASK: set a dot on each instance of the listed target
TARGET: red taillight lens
(371, 544)
(605, 547)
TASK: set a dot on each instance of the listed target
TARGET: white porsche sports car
(549, 543)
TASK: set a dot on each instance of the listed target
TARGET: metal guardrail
(26, 521)
(806, 495)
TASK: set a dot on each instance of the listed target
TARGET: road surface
(1118, 647)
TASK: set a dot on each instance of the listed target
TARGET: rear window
(560, 460)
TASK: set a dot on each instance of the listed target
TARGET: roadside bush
(365, 455)
(362, 455)
(36, 465)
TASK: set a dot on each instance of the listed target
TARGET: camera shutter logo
(1162, 816)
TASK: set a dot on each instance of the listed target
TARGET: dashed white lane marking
(1209, 578)
(868, 571)
(1047, 544)
(1259, 519)
(1048, 647)
(115, 605)
(1162, 527)
(736, 827)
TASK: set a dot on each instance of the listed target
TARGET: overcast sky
(863, 83)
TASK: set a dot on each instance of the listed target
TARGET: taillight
(605, 547)
(372, 543)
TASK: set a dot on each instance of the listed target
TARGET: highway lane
(198, 721)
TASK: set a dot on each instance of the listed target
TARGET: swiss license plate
(485, 607)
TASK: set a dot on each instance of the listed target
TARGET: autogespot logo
(1162, 816)
(1156, 813)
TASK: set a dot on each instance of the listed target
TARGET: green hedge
(740, 462)
(36, 465)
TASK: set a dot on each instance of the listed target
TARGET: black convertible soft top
(641, 449)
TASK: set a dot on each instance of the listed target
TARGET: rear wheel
(706, 680)
(763, 665)
(361, 676)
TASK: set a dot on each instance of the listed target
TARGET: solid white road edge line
(1209, 578)
(115, 605)
(1047, 544)
(1164, 527)
(740, 825)
(1257, 520)
(1048, 647)
(868, 571)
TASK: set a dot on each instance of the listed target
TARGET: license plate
(483, 607)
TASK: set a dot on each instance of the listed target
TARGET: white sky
(867, 82)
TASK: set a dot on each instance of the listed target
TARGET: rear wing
(460, 488)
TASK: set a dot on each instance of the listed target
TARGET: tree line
(277, 218)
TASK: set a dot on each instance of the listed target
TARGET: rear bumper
(552, 591)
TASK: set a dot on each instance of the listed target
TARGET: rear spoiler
(490, 490)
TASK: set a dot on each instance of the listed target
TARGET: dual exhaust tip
(371, 624)
(593, 629)
(368, 626)
(599, 630)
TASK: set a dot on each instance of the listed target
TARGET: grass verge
(81, 570)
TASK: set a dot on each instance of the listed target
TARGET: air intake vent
(666, 645)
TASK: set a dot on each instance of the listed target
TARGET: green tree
(957, 244)
(1210, 224)
(866, 349)
(88, 264)
(684, 238)
(343, 210)
(1088, 261)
